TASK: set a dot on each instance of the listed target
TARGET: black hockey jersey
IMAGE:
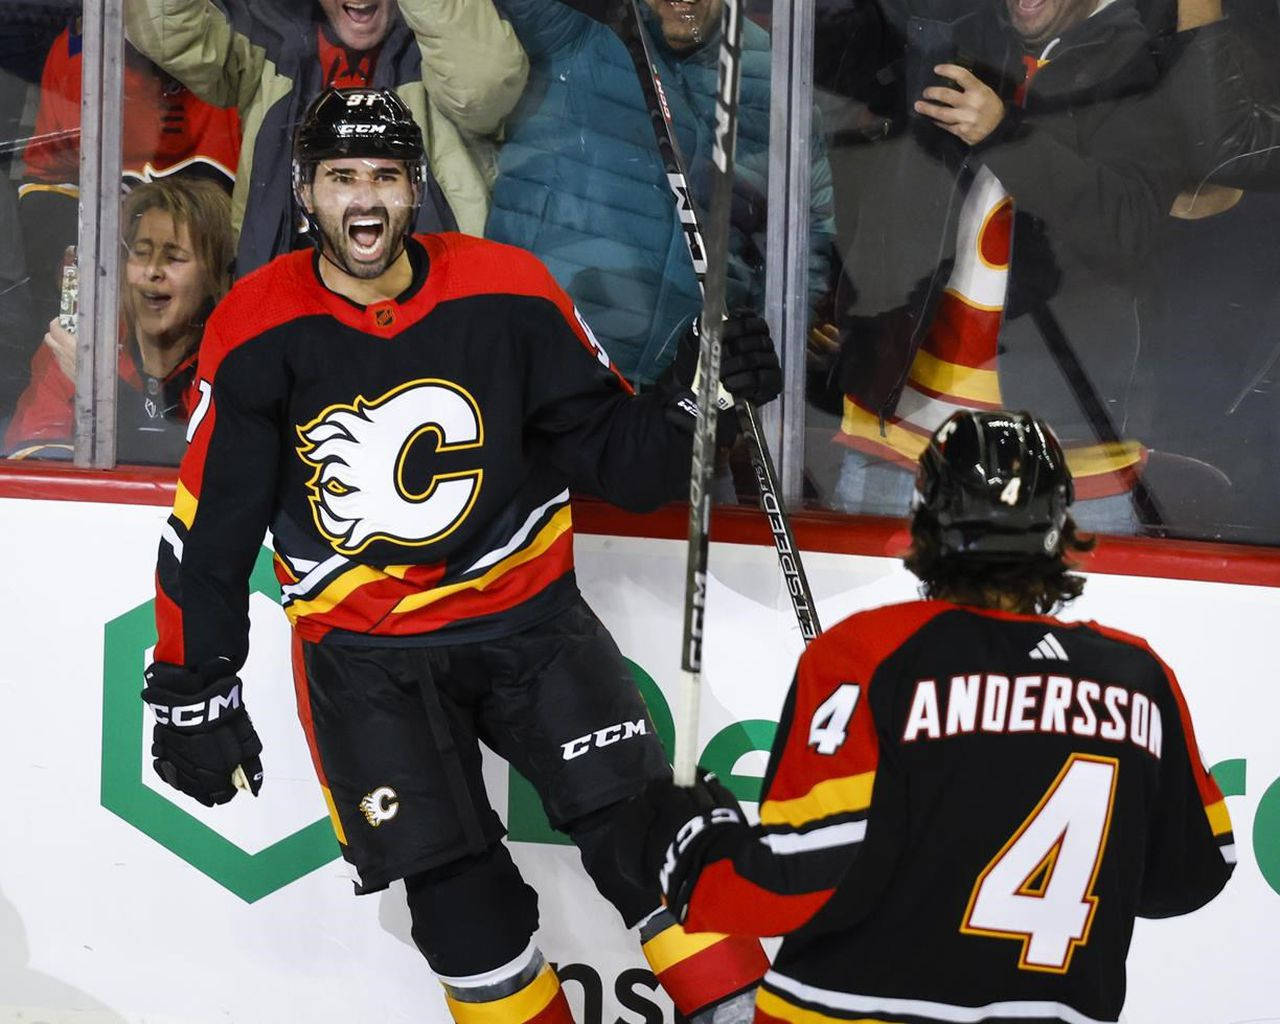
(412, 458)
(963, 813)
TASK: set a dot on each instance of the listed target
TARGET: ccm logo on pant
(603, 738)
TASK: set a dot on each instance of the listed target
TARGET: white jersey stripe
(521, 535)
(849, 1002)
(845, 834)
(175, 542)
(308, 581)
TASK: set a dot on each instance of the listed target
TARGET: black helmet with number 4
(344, 123)
(993, 486)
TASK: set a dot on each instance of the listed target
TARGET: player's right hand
(665, 828)
(202, 732)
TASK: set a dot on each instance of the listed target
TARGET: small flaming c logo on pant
(380, 805)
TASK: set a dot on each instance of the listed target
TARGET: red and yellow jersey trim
(829, 797)
(403, 600)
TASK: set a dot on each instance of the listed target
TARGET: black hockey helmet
(342, 123)
(993, 486)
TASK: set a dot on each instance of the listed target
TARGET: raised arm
(472, 63)
(197, 43)
(545, 26)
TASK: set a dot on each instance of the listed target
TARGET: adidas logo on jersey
(1049, 649)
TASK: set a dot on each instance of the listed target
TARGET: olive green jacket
(456, 63)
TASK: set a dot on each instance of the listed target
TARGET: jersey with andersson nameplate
(963, 813)
(412, 458)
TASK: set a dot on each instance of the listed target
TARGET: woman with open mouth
(177, 259)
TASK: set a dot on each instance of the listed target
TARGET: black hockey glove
(749, 367)
(670, 828)
(202, 732)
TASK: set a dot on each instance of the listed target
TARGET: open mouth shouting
(360, 24)
(361, 14)
(366, 235)
(155, 302)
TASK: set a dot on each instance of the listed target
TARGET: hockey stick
(709, 261)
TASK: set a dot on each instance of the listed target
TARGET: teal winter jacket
(581, 185)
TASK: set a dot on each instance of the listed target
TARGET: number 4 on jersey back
(1039, 887)
(830, 722)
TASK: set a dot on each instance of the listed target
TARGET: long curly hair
(1031, 585)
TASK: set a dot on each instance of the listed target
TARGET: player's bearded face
(363, 206)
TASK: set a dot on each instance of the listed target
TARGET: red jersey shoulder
(480, 266)
(274, 294)
(857, 645)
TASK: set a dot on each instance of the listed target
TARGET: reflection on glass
(1049, 208)
(169, 136)
(582, 185)
(27, 29)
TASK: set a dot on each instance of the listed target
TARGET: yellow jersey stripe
(335, 593)
(831, 796)
(1219, 819)
(672, 945)
(857, 422)
(184, 506)
(519, 1006)
(776, 1006)
(955, 380)
(333, 815)
(556, 526)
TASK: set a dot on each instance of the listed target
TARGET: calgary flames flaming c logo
(359, 492)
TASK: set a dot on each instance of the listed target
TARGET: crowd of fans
(1062, 205)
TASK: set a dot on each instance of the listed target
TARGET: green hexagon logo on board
(246, 849)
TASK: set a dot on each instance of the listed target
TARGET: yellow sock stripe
(557, 525)
(672, 945)
(955, 380)
(1219, 819)
(333, 815)
(519, 1006)
(775, 1006)
(831, 796)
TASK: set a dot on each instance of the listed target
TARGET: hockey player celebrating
(408, 414)
(968, 801)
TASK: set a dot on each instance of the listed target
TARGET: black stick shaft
(709, 261)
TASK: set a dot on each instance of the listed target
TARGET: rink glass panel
(1158, 365)
(1136, 313)
(39, 190)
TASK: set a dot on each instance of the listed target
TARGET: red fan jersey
(963, 813)
(166, 127)
(412, 458)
